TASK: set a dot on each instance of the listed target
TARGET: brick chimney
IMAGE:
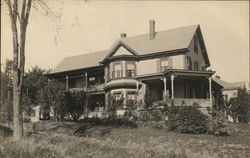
(151, 29)
(123, 35)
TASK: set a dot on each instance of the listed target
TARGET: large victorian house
(170, 64)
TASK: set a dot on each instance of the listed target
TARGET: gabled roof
(230, 85)
(80, 62)
(164, 41)
(173, 39)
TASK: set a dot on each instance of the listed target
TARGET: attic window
(195, 44)
(189, 63)
(196, 66)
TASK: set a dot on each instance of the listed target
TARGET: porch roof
(182, 72)
(176, 72)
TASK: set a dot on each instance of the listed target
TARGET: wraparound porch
(183, 87)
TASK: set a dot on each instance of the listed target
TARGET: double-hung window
(117, 72)
(196, 66)
(130, 69)
(189, 63)
(164, 65)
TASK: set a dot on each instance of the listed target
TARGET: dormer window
(189, 63)
(130, 69)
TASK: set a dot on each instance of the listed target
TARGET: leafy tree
(52, 98)
(239, 107)
(19, 17)
(6, 89)
(34, 81)
(74, 103)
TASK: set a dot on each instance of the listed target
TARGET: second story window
(117, 71)
(92, 81)
(164, 65)
(189, 63)
(130, 69)
(196, 66)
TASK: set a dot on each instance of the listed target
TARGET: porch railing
(191, 101)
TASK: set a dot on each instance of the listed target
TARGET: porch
(183, 87)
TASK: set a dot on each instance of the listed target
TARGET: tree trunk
(18, 60)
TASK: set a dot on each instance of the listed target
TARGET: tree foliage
(34, 81)
(239, 107)
(75, 103)
(6, 92)
(52, 98)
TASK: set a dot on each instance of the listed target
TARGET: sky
(79, 27)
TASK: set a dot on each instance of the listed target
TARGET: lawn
(76, 140)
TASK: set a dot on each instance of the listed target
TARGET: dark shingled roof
(80, 61)
(173, 39)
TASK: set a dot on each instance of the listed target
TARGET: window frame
(189, 63)
(129, 93)
(163, 68)
(127, 70)
(196, 66)
(115, 72)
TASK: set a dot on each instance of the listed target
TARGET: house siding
(149, 66)
(122, 51)
(195, 56)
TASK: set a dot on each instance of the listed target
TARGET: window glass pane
(131, 96)
(164, 63)
(117, 67)
(118, 95)
(131, 66)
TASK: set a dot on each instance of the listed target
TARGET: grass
(59, 140)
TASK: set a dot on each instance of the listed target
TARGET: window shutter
(158, 65)
(170, 63)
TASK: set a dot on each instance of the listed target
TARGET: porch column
(172, 86)
(210, 90)
(67, 82)
(165, 88)
(86, 79)
(106, 101)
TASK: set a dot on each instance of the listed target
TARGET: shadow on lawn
(101, 127)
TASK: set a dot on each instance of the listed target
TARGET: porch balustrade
(190, 101)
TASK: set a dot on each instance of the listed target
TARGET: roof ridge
(171, 29)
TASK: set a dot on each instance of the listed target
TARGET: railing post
(172, 86)
(67, 82)
(86, 79)
(165, 88)
(210, 90)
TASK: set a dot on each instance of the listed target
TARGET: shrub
(218, 124)
(5, 131)
(186, 119)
